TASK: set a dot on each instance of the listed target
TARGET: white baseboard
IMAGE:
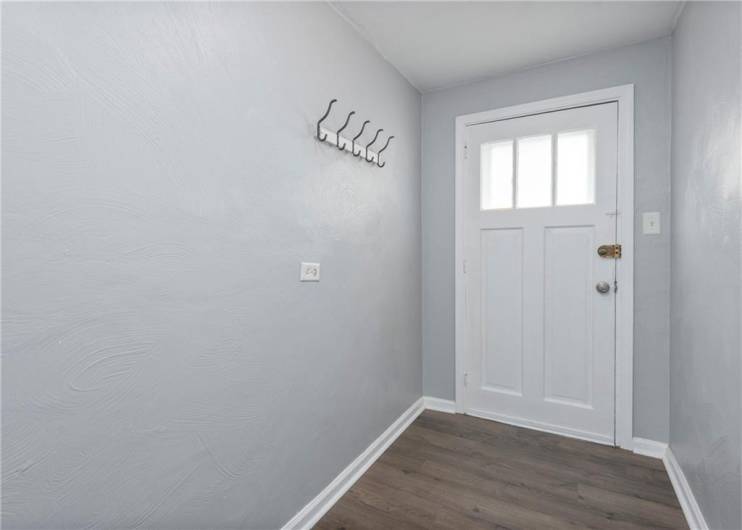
(687, 500)
(320, 505)
(643, 446)
(441, 405)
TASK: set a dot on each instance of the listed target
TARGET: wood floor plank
(455, 471)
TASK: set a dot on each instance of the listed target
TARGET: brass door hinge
(609, 251)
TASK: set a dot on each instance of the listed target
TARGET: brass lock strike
(609, 251)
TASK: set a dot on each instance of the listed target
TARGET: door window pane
(496, 189)
(534, 172)
(575, 168)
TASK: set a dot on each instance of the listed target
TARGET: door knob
(602, 287)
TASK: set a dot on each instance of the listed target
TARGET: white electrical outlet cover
(651, 223)
(309, 272)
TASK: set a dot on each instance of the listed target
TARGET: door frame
(624, 366)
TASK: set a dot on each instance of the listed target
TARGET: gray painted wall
(647, 67)
(705, 316)
(162, 365)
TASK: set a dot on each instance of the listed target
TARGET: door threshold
(543, 427)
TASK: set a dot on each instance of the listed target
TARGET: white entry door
(539, 199)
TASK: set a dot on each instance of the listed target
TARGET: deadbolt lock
(609, 251)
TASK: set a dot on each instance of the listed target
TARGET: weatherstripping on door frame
(624, 366)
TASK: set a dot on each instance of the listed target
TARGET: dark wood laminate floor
(456, 471)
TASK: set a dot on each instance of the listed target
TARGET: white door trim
(624, 96)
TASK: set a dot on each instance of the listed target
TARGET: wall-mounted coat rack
(344, 144)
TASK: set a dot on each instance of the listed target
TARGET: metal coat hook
(341, 129)
(356, 137)
(369, 145)
(342, 142)
(378, 155)
(319, 136)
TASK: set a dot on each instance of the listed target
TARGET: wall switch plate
(309, 272)
(651, 223)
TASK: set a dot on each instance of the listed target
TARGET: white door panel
(502, 278)
(568, 322)
(540, 197)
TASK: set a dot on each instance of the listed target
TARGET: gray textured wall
(705, 315)
(647, 67)
(162, 365)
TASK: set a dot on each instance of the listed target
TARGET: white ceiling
(441, 44)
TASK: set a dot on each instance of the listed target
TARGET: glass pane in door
(533, 188)
(575, 168)
(496, 179)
